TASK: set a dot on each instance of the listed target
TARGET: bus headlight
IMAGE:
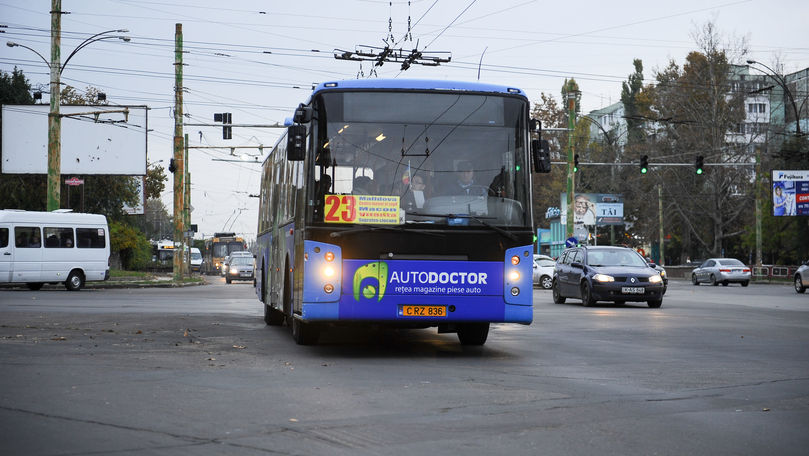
(514, 276)
(328, 271)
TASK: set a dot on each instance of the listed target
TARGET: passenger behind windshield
(415, 193)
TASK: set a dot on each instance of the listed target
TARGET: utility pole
(757, 190)
(179, 162)
(54, 118)
(187, 204)
(660, 214)
(571, 184)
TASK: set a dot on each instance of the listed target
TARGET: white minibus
(53, 247)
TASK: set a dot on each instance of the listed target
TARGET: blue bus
(404, 203)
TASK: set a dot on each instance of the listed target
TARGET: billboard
(600, 209)
(790, 193)
(93, 142)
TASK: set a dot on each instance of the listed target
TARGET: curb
(113, 285)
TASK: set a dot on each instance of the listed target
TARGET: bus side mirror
(303, 114)
(296, 142)
(541, 151)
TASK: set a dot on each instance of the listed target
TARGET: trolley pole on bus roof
(179, 161)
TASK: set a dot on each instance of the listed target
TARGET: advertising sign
(364, 209)
(96, 140)
(790, 193)
(600, 209)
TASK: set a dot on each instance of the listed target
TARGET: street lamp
(783, 83)
(54, 117)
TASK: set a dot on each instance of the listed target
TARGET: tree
(630, 92)
(696, 111)
(547, 188)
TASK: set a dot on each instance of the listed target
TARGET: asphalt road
(716, 370)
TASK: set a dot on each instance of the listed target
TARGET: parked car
(802, 278)
(543, 271)
(240, 268)
(721, 270)
(602, 273)
(662, 271)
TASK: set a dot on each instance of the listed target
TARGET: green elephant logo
(377, 270)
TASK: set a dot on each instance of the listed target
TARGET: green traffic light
(699, 170)
(643, 170)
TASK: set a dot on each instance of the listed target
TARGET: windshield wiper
(366, 228)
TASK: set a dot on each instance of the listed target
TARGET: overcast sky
(259, 59)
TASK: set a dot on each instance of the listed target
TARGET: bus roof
(75, 218)
(416, 84)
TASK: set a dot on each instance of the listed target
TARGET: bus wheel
(34, 285)
(273, 317)
(75, 280)
(473, 333)
(304, 333)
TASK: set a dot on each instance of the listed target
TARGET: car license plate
(423, 311)
(245, 274)
(633, 290)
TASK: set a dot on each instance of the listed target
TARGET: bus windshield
(420, 158)
(225, 248)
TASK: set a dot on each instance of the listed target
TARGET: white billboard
(95, 139)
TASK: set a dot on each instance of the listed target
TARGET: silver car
(240, 268)
(802, 278)
(543, 271)
(721, 270)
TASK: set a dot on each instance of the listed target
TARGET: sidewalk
(154, 281)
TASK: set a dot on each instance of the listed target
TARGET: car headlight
(655, 279)
(603, 278)
(234, 271)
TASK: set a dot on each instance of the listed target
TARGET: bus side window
(3, 237)
(92, 238)
(27, 237)
(58, 237)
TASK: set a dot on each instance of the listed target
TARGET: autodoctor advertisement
(376, 279)
(790, 193)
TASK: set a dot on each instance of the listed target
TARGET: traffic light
(226, 119)
(644, 164)
(699, 164)
(576, 163)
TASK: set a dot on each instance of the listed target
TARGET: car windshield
(730, 262)
(196, 256)
(241, 260)
(615, 257)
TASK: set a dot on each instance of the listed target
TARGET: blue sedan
(617, 274)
